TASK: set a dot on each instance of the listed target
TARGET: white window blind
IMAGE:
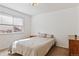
(18, 21)
(7, 19)
(10, 24)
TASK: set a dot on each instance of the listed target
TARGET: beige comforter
(33, 46)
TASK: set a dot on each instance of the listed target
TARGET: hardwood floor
(55, 51)
(58, 51)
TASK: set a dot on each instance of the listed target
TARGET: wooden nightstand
(74, 47)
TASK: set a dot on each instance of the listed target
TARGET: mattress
(34, 46)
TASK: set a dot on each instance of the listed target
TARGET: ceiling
(40, 8)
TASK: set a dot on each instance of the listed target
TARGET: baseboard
(62, 47)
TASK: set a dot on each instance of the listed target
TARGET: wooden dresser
(74, 46)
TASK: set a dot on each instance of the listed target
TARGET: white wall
(61, 23)
(78, 21)
(7, 39)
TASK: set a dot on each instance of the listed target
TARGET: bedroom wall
(60, 23)
(78, 21)
(7, 39)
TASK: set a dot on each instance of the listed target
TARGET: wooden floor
(58, 51)
(55, 51)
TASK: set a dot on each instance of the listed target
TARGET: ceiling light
(34, 4)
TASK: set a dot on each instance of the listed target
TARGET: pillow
(43, 35)
(50, 36)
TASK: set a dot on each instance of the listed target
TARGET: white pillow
(50, 36)
(43, 35)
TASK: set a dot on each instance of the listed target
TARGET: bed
(34, 46)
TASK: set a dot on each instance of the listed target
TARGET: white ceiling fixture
(40, 8)
(34, 4)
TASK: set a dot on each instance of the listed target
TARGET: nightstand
(74, 46)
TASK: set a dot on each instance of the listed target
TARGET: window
(10, 24)
(18, 24)
(7, 20)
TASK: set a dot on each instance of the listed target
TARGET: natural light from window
(10, 24)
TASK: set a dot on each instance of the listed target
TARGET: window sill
(11, 33)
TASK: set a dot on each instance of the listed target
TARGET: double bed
(35, 46)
